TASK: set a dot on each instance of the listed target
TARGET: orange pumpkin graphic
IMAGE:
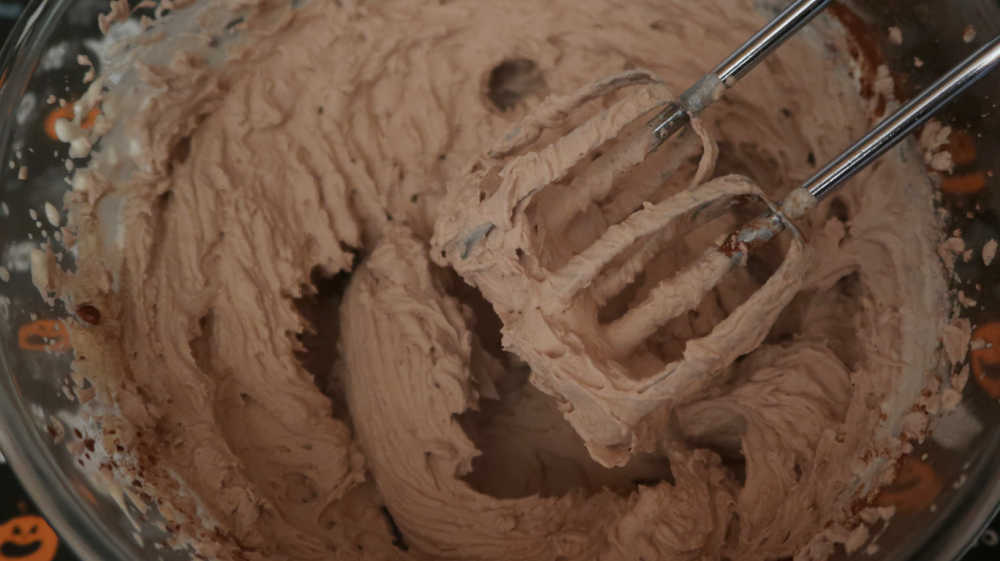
(44, 335)
(915, 489)
(986, 360)
(27, 538)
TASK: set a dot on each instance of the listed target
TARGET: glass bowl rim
(28, 455)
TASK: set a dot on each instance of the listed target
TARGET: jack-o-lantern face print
(27, 538)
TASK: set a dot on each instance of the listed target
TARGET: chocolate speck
(89, 314)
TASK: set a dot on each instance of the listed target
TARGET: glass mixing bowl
(949, 486)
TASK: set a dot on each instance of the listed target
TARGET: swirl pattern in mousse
(287, 369)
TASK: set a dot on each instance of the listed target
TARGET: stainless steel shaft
(737, 65)
(893, 129)
(884, 136)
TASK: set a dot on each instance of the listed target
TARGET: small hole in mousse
(511, 81)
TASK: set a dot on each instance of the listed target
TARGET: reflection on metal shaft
(893, 129)
(766, 40)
